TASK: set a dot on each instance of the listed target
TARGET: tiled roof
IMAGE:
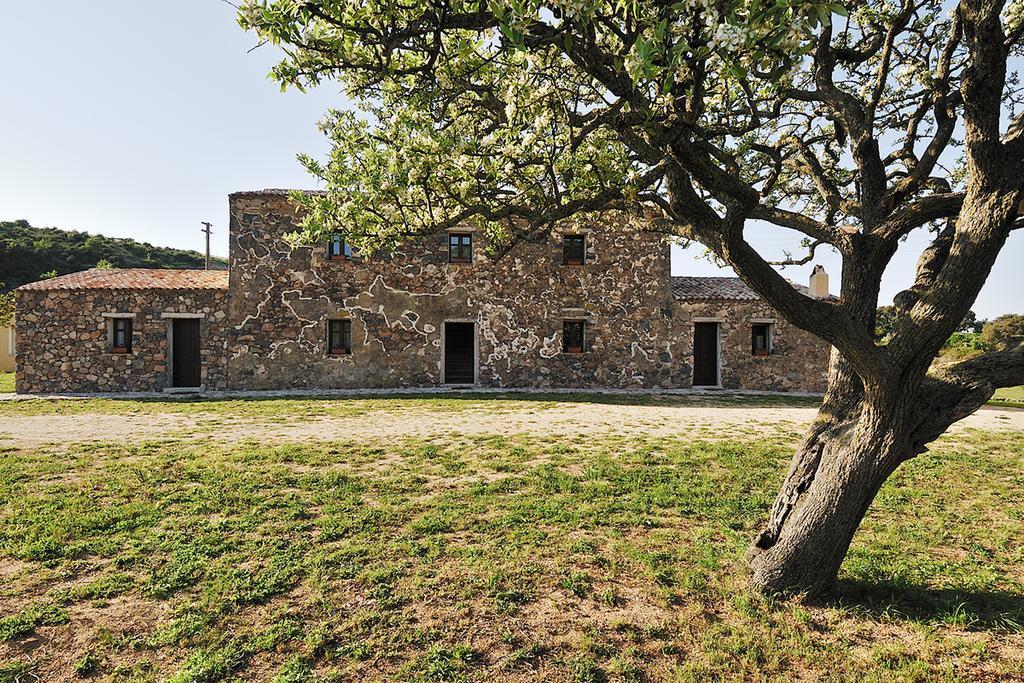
(716, 289)
(719, 288)
(135, 278)
(273, 192)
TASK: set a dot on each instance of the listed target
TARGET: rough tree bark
(858, 440)
(866, 430)
(885, 413)
(860, 437)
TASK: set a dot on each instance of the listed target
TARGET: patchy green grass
(6, 382)
(491, 558)
(270, 408)
(1011, 393)
(1011, 396)
(288, 409)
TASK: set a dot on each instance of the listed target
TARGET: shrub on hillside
(963, 345)
(6, 308)
(1005, 330)
(28, 253)
(886, 319)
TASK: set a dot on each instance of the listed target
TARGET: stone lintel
(577, 314)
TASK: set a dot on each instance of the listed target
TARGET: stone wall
(268, 329)
(638, 336)
(798, 360)
(63, 342)
(281, 296)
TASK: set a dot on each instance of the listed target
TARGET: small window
(338, 249)
(460, 248)
(761, 339)
(339, 337)
(574, 250)
(573, 336)
(121, 335)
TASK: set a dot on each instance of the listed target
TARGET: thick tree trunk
(858, 440)
(834, 477)
(856, 443)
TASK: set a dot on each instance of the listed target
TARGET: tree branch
(996, 369)
(982, 87)
(953, 392)
(811, 249)
(799, 222)
(920, 212)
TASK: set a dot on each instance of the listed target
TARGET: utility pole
(208, 232)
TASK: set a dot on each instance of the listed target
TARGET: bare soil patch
(566, 419)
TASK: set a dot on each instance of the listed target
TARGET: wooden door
(459, 353)
(705, 354)
(185, 353)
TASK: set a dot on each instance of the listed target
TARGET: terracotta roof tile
(716, 289)
(134, 278)
(273, 192)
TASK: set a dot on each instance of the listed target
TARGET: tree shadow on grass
(900, 601)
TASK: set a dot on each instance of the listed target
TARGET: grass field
(6, 382)
(489, 558)
(1012, 396)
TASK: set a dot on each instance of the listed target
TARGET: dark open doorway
(705, 354)
(185, 357)
(459, 353)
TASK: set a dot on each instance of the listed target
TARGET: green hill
(28, 253)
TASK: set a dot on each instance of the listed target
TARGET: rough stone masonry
(269, 323)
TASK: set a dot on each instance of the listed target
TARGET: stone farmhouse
(593, 306)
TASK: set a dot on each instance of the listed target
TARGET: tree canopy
(850, 124)
(515, 115)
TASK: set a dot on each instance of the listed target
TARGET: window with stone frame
(460, 248)
(339, 337)
(761, 339)
(338, 249)
(574, 336)
(120, 335)
(574, 250)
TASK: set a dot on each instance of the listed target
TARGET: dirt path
(568, 419)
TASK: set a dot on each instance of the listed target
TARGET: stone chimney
(818, 287)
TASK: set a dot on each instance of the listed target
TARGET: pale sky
(136, 118)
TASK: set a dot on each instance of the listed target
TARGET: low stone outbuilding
(591, 306)
(756, 349)
(122, 330)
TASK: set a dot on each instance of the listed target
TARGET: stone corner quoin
(288, 317)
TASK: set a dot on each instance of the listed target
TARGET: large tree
(837, 122)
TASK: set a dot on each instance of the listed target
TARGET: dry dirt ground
(563, 419)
